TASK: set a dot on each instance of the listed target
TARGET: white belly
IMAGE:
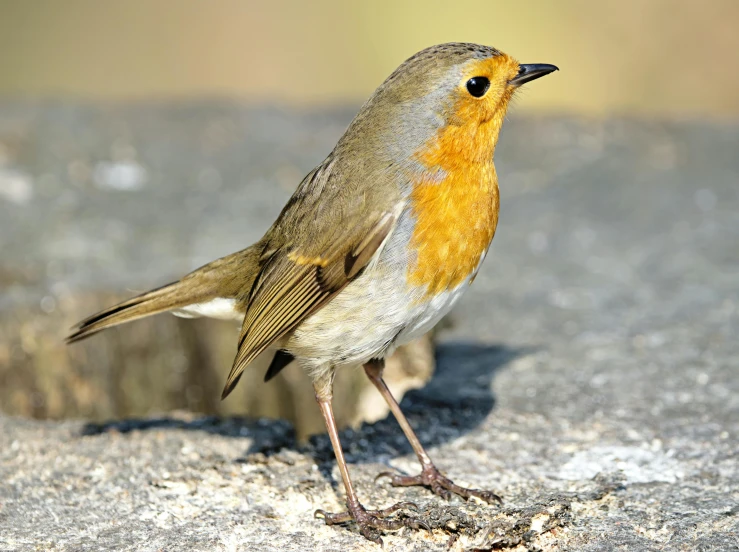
(368, 319)
(427, 317)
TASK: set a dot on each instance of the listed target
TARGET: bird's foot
(372, 522)
(430, 477)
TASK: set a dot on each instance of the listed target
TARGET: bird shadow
(456, 399)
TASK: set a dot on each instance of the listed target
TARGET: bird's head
(446, 101)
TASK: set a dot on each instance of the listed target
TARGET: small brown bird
(376, 245)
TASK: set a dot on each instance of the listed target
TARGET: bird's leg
(430, 475)
(369, 521)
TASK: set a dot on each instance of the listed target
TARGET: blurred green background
(672, 57)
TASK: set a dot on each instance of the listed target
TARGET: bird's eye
(477, 86)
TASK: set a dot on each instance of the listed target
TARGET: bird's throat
(455, 207)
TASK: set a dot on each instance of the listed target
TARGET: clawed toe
(439, 490)
(439, 484)
(486, 496)
(370, 522)
(386, 473)
(394, 508)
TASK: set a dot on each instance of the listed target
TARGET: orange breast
(456, 215)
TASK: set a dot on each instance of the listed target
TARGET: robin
(375, 246)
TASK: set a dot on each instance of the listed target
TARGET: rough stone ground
(590, 379)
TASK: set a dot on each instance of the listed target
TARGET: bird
(375, 246)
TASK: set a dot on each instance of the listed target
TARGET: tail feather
(158, 300)
(229, 277)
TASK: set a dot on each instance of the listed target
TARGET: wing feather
(291, 287)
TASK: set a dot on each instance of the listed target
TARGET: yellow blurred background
(661, 57)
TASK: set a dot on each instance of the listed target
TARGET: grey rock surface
(590, 377)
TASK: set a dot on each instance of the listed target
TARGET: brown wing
(291, 286)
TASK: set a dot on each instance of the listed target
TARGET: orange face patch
(456, 216)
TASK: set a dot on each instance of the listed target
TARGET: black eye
(477, 86)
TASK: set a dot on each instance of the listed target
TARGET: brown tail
(229, 277)
(155, 301)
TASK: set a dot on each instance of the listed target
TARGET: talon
(485, 496)
(490, 497)
(374, 537)
(432, 478)
(387, 474)
(408, 506)
(370, 521)
(438, 490)
(416, 523)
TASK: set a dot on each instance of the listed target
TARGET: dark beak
(531, 71)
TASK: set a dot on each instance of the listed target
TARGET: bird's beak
(531, 71)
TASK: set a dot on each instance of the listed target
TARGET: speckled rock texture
(590, 376)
